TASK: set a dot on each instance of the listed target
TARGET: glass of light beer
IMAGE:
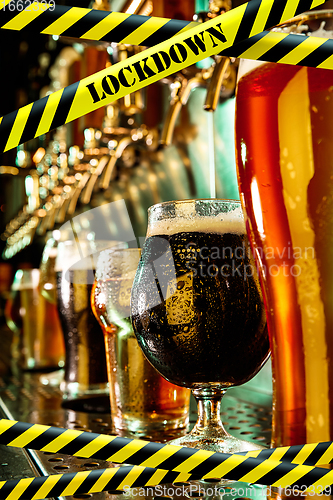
(85, 377)
(141, 400)
(38, 342)
(197, 308)
(284, 149)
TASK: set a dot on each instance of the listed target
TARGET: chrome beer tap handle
(94, 174)
(223, 80)
(115, 155)
(77, 191)
(219, 74)
(61, 213)
(182, 89)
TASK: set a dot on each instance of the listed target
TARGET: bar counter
(25, 398)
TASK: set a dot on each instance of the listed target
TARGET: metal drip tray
(24, 398)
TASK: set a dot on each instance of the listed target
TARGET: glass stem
(209, 419)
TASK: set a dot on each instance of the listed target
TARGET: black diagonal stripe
(8, 488)
(265, 453)
(311, 477)
(142, 480)
(108, 450)
(170, 29)
(319, 55)
(291, 453)
(247, 21)
(89, 481)
(59, 487)
(317, 453)
(20, 427)
(6, 126)
(144, 477)
(44, 20)
(243, 468)
(64, 105)
(118, 478)
(283, 48)
(33, 121)
(125, 28)
(176, 459)
(303, 6)
(239, 48)
(209, 464)
(146, 452)
(275, 14)
(33, 487)
(47, 436)
(276, 474)
(78, 443)
(85, 23)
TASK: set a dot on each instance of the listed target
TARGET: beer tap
(223, 80)
(220, 79)
(181, 89)
(222, 72)
(120, 131)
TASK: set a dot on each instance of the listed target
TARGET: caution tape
(95, 481)
(133, 29)
(308, 480)
(155, 463)
(119, 27)
(286, 49)
(149, 66)
(119, 450)
(91, 24)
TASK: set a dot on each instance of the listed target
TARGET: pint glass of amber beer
(284, 127)
(142, 401)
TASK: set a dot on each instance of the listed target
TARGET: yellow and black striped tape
(133, 29)
(92, 24)
(139, 452)
(144, 68)
(286, 49)
(156, 463)
(95, 481)
(300, 478)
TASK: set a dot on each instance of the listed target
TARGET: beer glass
(141, 400)
(85, 366)
(48, 289)
(38, 342)
(13, 317)
(197, 308)
(285, 166)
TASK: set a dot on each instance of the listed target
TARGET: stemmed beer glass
(197, 308)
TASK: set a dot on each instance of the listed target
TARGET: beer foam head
(25, 279)
(117, 263)
(211, 216)
(82, 255)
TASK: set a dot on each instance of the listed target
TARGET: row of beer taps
(64, 181)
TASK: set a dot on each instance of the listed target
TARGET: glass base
(88, 404)
(53, 379)
(145, 423)
(225, 444)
